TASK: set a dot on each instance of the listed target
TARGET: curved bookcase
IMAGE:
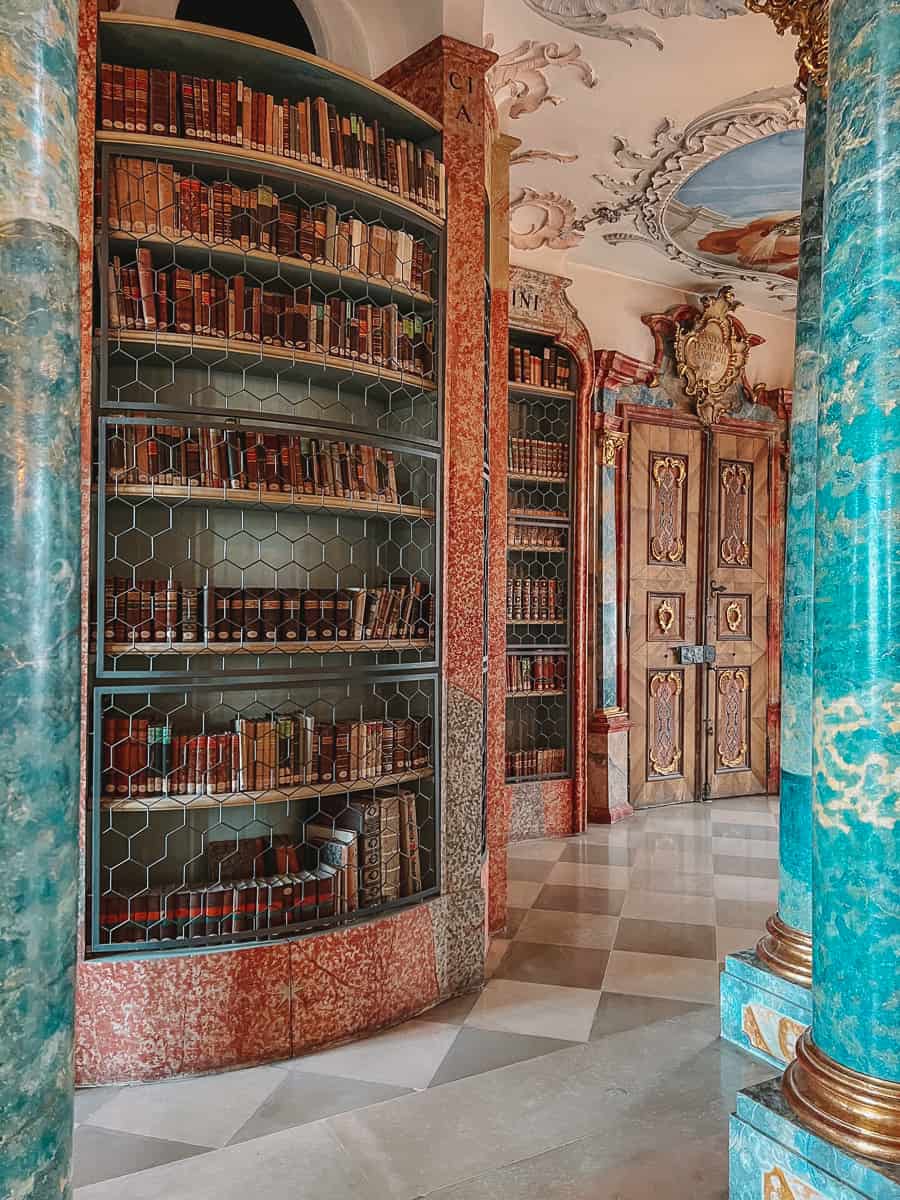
(265, 713)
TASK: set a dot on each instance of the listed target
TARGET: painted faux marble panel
(856, 710)
(795, 898)
(459, 941)
(762, 1013)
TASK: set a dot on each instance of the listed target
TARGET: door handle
(717, 587)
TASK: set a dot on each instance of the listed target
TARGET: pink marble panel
(239, 1009)
(361, 978)
(558, 809)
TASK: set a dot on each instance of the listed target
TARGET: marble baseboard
(773, 1157)
(761, 1012)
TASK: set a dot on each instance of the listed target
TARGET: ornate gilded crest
(711, 354)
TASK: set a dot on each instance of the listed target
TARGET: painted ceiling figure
(591, 17)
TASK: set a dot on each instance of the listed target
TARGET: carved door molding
(697, 562)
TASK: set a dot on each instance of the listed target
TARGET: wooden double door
(698, 570)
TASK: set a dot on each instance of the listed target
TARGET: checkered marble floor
(613, 949)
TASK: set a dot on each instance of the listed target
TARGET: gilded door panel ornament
(731, 748)
(735, 499)
(667, 510)
(664, 723)
(733, 615)
(665, 615)
(711, 353)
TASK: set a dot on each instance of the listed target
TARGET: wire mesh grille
(268, 481)
(538, 566)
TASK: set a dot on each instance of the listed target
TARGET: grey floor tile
(108, 1154)
(666, 937)
(599, 854)
(88, 1100)
(617, 1013)
(743, 914)
(566, 898)
(308, 1163)
(728, 864)
(533, 870)
(479, 1050)
(560, 966)
(304, 1097)
(452, 1012)
(514, 918)
(593, 931)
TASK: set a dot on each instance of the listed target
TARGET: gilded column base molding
(808, 19)
(786, 951)
(854, 1111)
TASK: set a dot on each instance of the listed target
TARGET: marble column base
(773, 1157)
(762, 1012)
(607, 771)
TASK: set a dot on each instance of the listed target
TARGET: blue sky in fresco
(752, 181)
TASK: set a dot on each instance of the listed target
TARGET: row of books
(534, 600)
(520, 506)
(366, 855)
(309, 130)
(523, 763)
(529, 456)
(150, 197)
(537, 537)
(144, 759)
(150, 611)
(232, 458)
(179, 300)
(550, 369)
(536, 673)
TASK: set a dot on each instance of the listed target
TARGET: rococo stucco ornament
(542, 219)
(649, 180)
(808, 20)
(591, 17)
(711, 353)
(517, 81)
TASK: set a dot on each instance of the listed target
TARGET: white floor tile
(745, 887)
(748, 847)
(589, 875)
(726, 816)
(537, 1009)
(203, 1111)
(662, 975)
(407, 1056)
(695, 862)
(494, 958)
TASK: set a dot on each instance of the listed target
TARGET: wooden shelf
(512, 779)
(549, 621)
(541, 692)
(525, 477)
(214, 349)
(536, 516)
(307, 266)
(262, 646)
(123, 33)
(533, 389)
(144, 804)
(539, 549)
(195, 149)
(262, 496)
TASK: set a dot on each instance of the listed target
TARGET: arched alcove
(277, 20)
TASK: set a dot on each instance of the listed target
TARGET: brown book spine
(106, 96)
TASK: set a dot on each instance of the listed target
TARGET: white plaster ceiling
(621, 103)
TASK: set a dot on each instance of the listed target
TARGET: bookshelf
(266, 510)
(542, 390)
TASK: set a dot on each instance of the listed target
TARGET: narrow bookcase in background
(268, 440)
(542, 389)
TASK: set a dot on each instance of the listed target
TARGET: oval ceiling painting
(742, 210)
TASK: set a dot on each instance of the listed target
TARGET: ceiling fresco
(660, 139)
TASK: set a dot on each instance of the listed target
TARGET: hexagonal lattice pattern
(268, 470)
(250, 812)
(538, 566)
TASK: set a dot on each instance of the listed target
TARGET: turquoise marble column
(856, 675)
(39, 591)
